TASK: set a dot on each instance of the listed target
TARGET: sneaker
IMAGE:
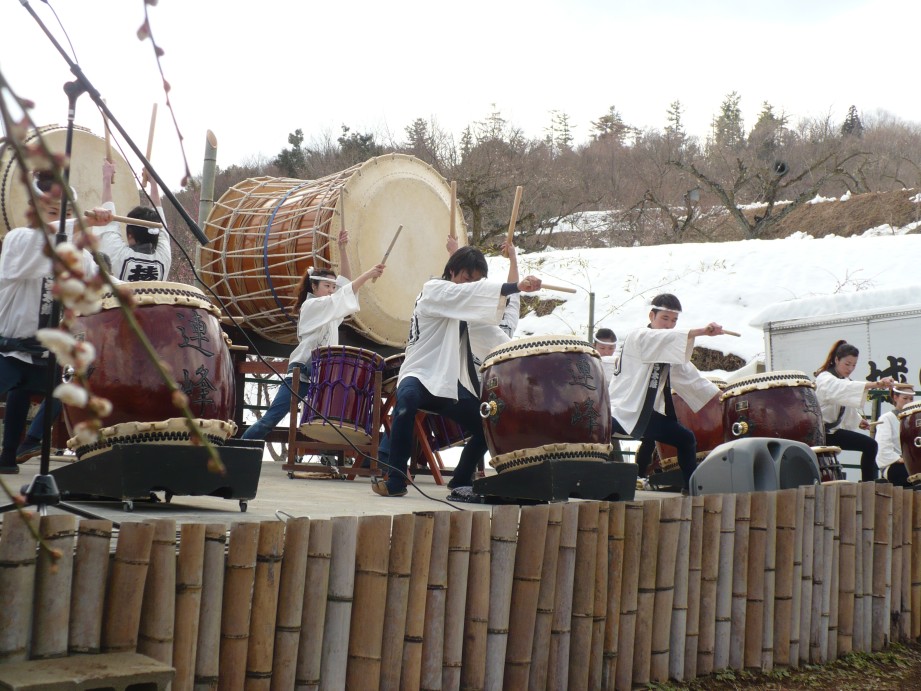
(28, 449)
(9, 469)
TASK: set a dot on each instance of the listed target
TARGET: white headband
(39, 193)
(598, 340)
(328, 279)
(664, 309)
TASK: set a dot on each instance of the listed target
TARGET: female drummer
(651, 362)
(322, 309)
(841, 401)
(888, 437)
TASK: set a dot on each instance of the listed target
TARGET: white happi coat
(435, 353)
(635, 359)
(485, 338)
(888, 437)
(319, 320)
(835, 393)
(127, 263)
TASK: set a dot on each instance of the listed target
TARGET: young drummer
(649, 363)
(888, 437)
(438, 373)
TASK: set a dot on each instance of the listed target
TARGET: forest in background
(654, 185)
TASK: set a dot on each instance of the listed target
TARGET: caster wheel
(243, 506)
(168, 497)
(128, 505)
(291, 475)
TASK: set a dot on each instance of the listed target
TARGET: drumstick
(392, 243)
(452, 229)
(550, 286)
(731, 333)
(126, 219)
(105, 125)
(150, 137)
(514, 219)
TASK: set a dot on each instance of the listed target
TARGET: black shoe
(9, 469)
(28, 449)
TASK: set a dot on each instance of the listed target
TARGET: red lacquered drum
(779, 404)
(706, 424)
(910, 434)
(183, 328)
(341, 395)
(829, 467)
(542, 392)
(442, 432)
(391, 373)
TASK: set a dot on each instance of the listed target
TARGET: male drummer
(649, 364)
(438, 373)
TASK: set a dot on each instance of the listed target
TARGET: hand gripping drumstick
(387, 253)
(514, 219)
(125, 219)
(452, 227)
(562, 289)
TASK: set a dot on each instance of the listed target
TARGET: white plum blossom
(70, 255)
(72, 394)
(59, 342)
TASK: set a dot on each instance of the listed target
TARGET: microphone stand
(86, 86)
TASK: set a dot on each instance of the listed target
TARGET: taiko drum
(706, 424)
(910, 435)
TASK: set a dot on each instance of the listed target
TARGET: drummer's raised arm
(509, 249)
(345, 269)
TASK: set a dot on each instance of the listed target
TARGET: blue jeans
(281, 405)
(412, 396)
(18, 380)
(37, 428)
(668, 431)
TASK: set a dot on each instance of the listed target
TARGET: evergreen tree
(728, 128)
(675, 127)
(292, 162)
(852, 126)
(356, 147)
(610, 126)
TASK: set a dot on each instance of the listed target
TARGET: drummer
(439, 374)
(606, 343)
(841, 401)
(649, 364)
(888, 437)
(324, 301)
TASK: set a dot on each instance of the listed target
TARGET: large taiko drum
(341, 395)
(184, 329)
(265, 233)
(706, 424)
(780, 404)
(87, 155)
(910, 435)
(544, 398)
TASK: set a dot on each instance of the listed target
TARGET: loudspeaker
(552, 480)
(755, 464)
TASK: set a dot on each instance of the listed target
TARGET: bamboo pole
(685, 635)
(452, 223)
(783, 578)
(504, 545)
(367, 628)
(399, 570)
(415, 610)
(455, 605)
(770, 584)
(908, 511)
(709, 572)
(740, 559)
(207, 649)
(916, 566)
(796, 609)
(339, 603)
(561, 628)
(583, 595)
(833, 530)
(882, 566)
(615, 558)
(669, 525)
(808, 563)
(858, 640)
(261, 645)
(818, 628)
(513, 220)
(157, 625)
(476, 615)
(529, 561)
(633, 556)
(125, 588)
(599, 606)
(208, 175)
(543, 621)
(189, 570)
(88, 590)
(847, 521)
(754, 591)
(868, 501)
(646, 596)
(236, 608)
(723, 615)
(17, 583)
(53, 581)
(290, 603)
(895, 600)
(433, 638)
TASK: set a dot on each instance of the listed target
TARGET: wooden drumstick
(387, 253)
(150, 138)
(514, 219)
(561, 289)
(731, 333)
(126, 219)
(452, 227)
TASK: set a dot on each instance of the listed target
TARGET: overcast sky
(253, 72)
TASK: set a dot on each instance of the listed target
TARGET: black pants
(897, 474)
(668, 431)
(856, 441)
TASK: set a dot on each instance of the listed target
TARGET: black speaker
(551, 480)
(755, 464)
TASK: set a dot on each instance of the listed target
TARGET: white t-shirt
(435, 353)
(888, 437)
(127, 263)
(25, 284)
(320, 317)
(833, 394)
(634, 366)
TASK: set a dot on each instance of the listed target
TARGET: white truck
(885, 325)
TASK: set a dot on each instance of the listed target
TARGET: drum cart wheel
(128, 505)
(167, 497)
(243, 505)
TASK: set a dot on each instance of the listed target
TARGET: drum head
(86, 160)
(385, 193)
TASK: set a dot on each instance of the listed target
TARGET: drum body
(706, 424)
(910, 435)
(341, 395)
(183, 328)
(829, 466)
(391, 373)
(779, 404)
(266, 232)
(87, 155)
(545, 391)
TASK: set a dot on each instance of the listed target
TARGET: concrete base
(116, 671)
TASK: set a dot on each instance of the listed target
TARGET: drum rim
(530, 345)
(909, 410)
(755, 382)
